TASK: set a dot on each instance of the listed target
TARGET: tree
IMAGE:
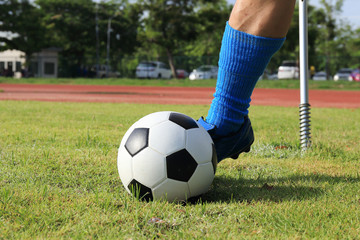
(23, 21)
(326, 41)
(121, 19)
(211, 19)
(167, 24)
(72, 26)
(290, 49)
(352, 40)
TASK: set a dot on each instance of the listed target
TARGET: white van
(106, 71)
(288, 70)
(153, 69)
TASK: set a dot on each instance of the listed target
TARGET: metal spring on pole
(305, 140)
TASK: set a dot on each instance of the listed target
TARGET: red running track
(170, 95)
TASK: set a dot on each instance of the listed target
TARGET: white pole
(304, 77)
(303, 40)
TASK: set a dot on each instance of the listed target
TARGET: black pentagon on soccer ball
(214, 158)
(184, 121)
(137, 141)
(140, 191)
(180, 165)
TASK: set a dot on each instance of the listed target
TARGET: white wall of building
(13, 60)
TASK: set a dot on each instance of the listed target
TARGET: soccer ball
(166, 155)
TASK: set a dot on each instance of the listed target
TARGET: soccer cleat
(234, 144)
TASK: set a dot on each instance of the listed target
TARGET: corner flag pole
(304, 107)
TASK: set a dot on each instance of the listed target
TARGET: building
(11, 63)
(43, 64)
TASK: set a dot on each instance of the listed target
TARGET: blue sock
(243, 59)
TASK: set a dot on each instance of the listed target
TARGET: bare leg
(266, 18)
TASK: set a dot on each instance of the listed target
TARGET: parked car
(288, 70)
(356, 75)
(204, 72)
(343, 74)
(153, 69)
(268, 75)
(105, 71)
(272, 76)
(181, 73)
(320, 76)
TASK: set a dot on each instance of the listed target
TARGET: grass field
(59, 179)
(289, 84)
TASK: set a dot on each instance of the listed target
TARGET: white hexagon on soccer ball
(172, 190)
(152, 119)
(201, 180)
(167, 137)
(149, 167)
(199, 145)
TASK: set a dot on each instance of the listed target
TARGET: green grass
(59, 179)
(289, 84)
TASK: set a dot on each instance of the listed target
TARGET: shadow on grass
(291, 188)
